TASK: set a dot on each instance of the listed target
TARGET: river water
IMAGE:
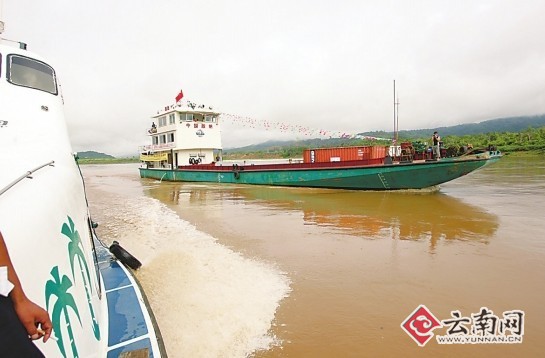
(235, 271)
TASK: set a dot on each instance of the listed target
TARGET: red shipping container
(337, 154)
(378, 152)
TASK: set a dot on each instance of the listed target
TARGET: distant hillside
(511, 124)
(93, 155)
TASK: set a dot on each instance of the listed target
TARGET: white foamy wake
(208, 300)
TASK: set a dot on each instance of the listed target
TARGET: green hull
(365, 177)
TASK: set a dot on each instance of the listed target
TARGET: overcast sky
(320, 64)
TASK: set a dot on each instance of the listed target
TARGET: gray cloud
(319, 64)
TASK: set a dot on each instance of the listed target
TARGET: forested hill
(511, 124)
(93, 155)
(499, 125)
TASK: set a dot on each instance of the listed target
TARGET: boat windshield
(28, 72)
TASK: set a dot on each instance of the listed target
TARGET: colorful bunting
(289, 127)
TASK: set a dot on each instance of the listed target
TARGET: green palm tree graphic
(75, 250)
(59, 288)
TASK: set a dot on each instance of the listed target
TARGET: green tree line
(530, 139)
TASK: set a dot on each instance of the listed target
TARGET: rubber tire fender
(124, 256)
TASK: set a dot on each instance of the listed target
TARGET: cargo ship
(186, 146)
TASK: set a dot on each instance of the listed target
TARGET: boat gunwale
(347, 165)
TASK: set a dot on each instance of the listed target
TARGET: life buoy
(124, 256)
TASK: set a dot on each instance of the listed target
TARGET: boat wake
(209, 301)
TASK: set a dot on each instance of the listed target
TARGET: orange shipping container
(337, 154)
(378, 152)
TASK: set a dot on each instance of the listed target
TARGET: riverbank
(84, 161)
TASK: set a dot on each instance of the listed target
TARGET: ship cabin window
(170, 137)
(162, 121)
(210, 119)
(162, 139)
(155, 140)
(186, 117)
(171, 118)
(31, 73)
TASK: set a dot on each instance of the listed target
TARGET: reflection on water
(374, 215)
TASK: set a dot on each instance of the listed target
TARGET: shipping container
(343, 154)
(378, 152)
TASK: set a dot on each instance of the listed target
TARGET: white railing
(26, 175)
(153, 147)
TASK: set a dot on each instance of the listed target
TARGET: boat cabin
(183, 134)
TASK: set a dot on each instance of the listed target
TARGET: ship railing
(24, 176)
(154, 147)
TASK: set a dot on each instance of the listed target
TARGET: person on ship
(436, 139)
(21, 320)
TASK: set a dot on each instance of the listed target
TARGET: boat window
(171, 119)
(28, 72)
(155, 139)
(162, 140)
(186, 117)
(210, 119)
(162, 121)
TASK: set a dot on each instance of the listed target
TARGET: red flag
(179, 96)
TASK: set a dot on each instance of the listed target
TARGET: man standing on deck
(436, 145)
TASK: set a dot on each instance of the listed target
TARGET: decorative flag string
(291, 128)
(277, 126)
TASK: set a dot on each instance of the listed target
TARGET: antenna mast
(395, 112)
(396, 115)
(397, 119)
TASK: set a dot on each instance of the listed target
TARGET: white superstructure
(185, 133)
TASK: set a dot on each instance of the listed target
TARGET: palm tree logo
(65, 300)
(75, 250)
